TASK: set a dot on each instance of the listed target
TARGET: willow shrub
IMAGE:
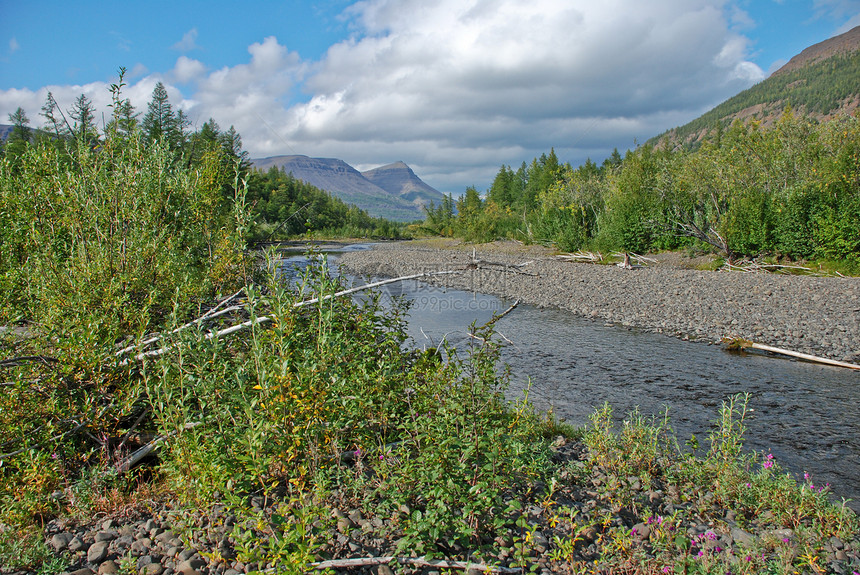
(97, 246)
(110, 240)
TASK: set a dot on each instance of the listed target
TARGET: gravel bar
(807, 314)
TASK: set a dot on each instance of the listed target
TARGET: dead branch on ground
(741, 343)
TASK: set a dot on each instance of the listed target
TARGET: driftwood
(211, 314)
(17, 361)
(501, 315)
(135, 457)
(740, 343)
(265, 319)
(581, 256)
(413, 561)
(477, 264)
(752, 267)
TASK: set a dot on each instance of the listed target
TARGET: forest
(787, 190)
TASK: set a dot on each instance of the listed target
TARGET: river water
(806, 415)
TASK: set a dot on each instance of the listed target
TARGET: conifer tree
(160, 121)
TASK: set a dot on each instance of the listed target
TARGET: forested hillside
(791, 189)
(822, 81)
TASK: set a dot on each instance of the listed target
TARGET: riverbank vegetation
(791, 189)
(312, 435)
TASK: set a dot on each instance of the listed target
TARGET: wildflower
(769, 461)
(785, 539)
(805, 476)
(667, 570)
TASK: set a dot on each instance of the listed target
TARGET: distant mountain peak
(841, 44)
(392, 191)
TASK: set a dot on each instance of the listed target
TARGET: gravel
(170, 540)
(813, 315)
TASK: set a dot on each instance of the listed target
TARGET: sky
(454, 88)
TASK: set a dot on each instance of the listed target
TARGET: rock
(152, 569)
(743, 538)
(105, 535)
(97, 552)
(641, 531)
(123, 543)
(60, 541)
(356, 516)
(185, 554)
(383, 570)
(77, 544)
(836, 543)
(109, 567)
(540, 542)
(164, 536)
(141, 546)
(190, 566)
(84, 571)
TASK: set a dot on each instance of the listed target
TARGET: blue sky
(454, 88)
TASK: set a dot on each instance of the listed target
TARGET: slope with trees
(789, 189)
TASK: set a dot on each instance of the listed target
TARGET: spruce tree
(161, 123)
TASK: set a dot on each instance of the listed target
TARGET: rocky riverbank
(578, 524)
(813, 315)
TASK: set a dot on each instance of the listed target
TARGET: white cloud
(457, 87)
(475, 76)
(188, 70)
(188, 42)
(14, 46)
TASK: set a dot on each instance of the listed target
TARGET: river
(805, 414)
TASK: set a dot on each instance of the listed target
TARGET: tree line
(790, 189)
(280, 206)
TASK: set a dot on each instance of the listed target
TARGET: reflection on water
(804, 414)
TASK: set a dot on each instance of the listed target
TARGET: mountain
(399, 180)
(393, 191)
(822, 81)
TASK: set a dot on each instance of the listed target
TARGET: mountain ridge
(822, 81)
(392, 191)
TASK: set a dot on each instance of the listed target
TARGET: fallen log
(413, 561)
(133, 459)
(265, 319)
(740, 343)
